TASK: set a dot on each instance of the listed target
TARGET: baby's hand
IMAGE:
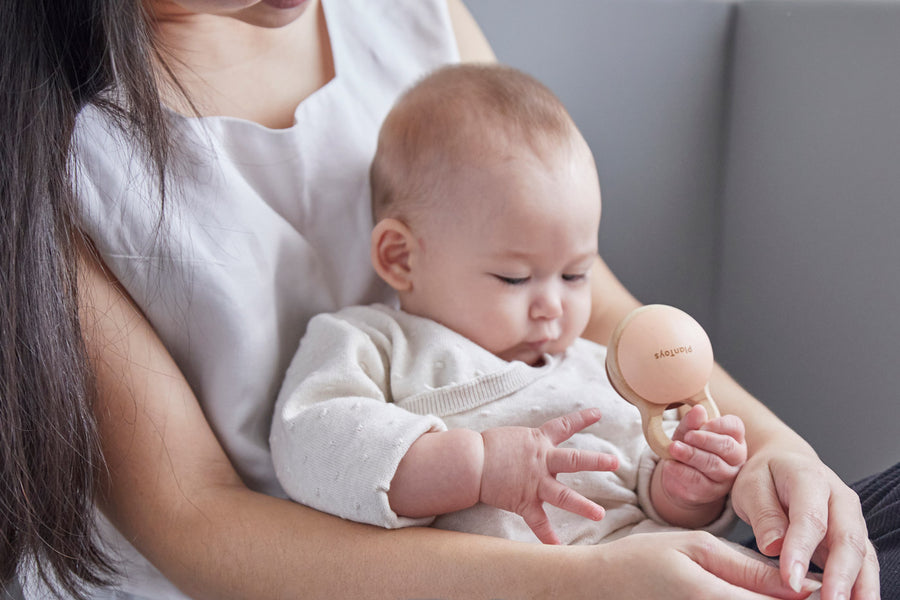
(707, 456)
(520, 467)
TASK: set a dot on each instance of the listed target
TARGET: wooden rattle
(658, 358)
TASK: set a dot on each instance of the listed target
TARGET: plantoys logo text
(673, 352)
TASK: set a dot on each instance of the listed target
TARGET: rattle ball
(659, 357)
(664, 354)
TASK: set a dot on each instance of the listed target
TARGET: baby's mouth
(539, 345)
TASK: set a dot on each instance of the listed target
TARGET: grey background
(749, 157)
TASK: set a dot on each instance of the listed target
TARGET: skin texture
(170, 488)
(232, 66)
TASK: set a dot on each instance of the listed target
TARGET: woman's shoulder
(408, 37)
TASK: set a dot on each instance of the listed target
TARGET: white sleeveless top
(263, 228)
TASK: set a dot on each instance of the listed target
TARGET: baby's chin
(525, 353)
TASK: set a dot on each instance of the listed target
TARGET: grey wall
(652, 114)
(809, 301)
(749, 156)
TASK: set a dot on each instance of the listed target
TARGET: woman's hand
(800, 509)
(689, 565)
(795, 504)
(521, 464)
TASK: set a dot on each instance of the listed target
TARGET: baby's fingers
(553, 492)
(570, 460)
(562, 428)
(537, 521)
(713, 466)
(724, 447)
(692, 420)
(730, 425)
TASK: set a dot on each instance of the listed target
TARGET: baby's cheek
(493, 333)
(581, 312)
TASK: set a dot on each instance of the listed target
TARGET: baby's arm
(341, 446)
(512, 468)
(336, 439)
(689, 490)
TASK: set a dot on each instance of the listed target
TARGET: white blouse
(263, 229)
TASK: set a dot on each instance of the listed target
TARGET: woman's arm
(610, 303)
(797, 506)
(171, 490)
(473, 46)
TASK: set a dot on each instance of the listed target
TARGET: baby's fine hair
(461, 116)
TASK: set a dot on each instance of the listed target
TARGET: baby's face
(508, 265)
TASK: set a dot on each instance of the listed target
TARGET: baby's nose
(547, 305)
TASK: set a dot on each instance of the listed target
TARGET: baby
(477, 401)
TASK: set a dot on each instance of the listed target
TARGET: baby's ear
(392, 244)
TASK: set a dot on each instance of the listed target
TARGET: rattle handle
(651, 415)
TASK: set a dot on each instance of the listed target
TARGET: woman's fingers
(799, 509)
(844, 564)
(756, 502)
(868, 584)
(807, 501)
(848, 553)
(694, 564)
(743, 570)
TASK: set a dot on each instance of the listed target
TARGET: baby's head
(487, 205)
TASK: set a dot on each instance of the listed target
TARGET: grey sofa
(749, 156)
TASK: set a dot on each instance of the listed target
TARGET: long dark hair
(55, 57)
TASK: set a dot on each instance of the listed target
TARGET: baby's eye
(512, 280)
(574, 276)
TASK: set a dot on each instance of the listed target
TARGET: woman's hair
(461, 115)
(55, 57)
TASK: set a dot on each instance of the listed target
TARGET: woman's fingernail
(769, 539)
(796, 578)
(811, 585)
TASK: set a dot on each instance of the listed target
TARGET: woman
(159, 335)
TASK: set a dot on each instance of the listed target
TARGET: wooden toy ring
(659, 358)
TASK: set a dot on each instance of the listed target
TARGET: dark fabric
(879, 495)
